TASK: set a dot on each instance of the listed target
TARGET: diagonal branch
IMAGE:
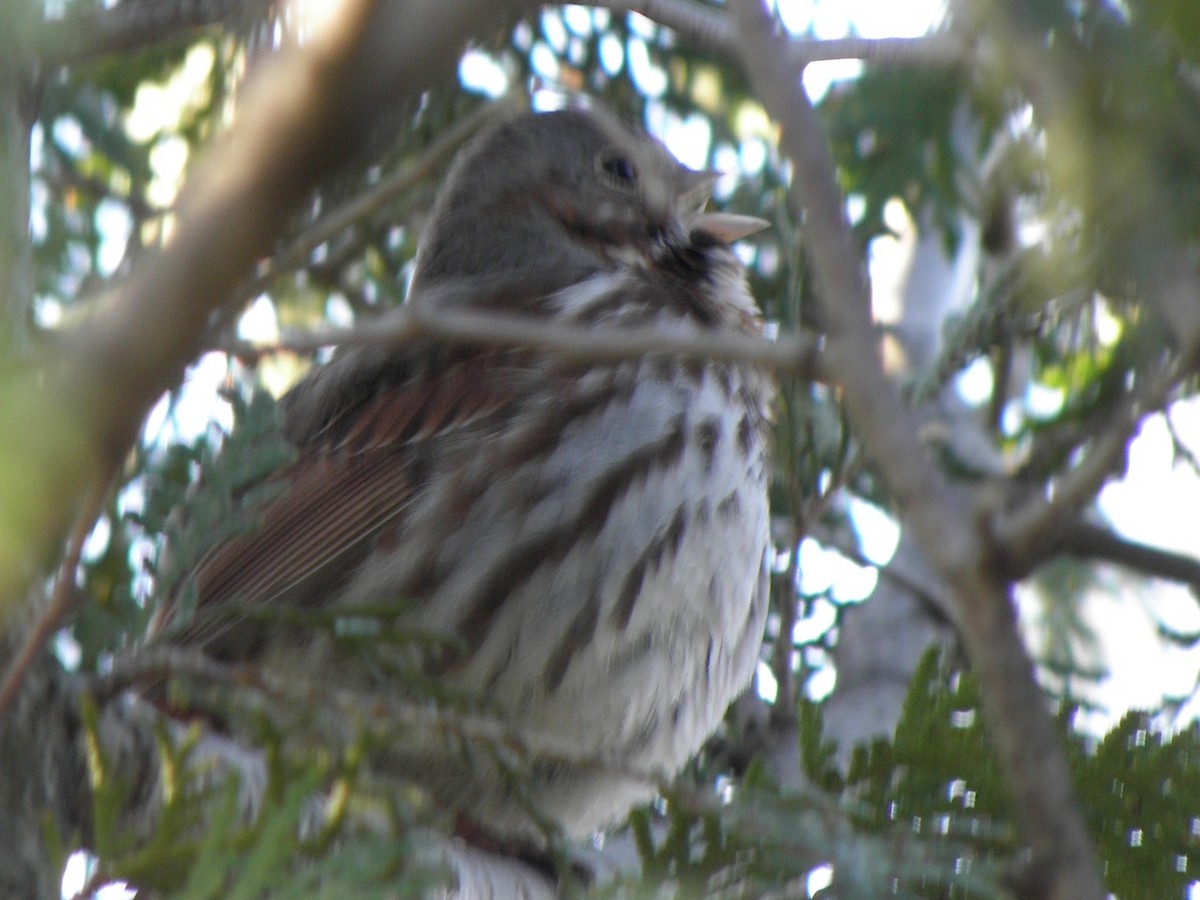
(76, 412)
(713, 30)
(87, 33)
(63, 599)
(1021, 727)
(1087, 540)
(1020, 535)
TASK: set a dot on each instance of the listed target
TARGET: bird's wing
(355, 475)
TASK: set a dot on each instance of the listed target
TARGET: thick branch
(91, 32)
(80, 410)
(1086, 540)
(1021, 727)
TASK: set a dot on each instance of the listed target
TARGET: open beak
(694, 192)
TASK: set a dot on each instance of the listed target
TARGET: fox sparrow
(585, 542)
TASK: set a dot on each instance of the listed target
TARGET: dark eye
(620, 168)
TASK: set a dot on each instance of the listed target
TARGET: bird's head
(563, 195)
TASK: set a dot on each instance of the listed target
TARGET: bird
(581, 546)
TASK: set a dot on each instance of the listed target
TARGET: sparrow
(579, 549)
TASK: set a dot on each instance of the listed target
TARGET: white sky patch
(197, 407)
(1158, 500)
(818, 879)
(68, 134)
(796, 15)
(554, 30)
(612, 54)
(976, 382)
(1154, 503)
(168, 160)
(768, 686)
(578, 19)
(889, 260)
(878, 532)
(543, 61)
(823, 617)
(830, 19)
(159, 107)
(1044, 402)
(900, 18)
(79, 868)
(820, 76)
(650, 79)
(480, 72)
(259, 324)
(113, 224)
(688, 138)
(822, 569)
(752, 155)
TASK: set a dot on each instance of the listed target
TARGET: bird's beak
(727, 227)
(695, 189)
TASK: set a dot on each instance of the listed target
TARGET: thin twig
(62, 600)
(1021, 535)
(932, 596)
(794, 353)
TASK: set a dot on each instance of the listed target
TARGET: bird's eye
(620, 168)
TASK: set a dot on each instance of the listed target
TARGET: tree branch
(1021, 535)
(795, 353)
(1021, 727)
(91, 32)
(76, 412)
(62, 600)
(1087, 540)
(713, 30)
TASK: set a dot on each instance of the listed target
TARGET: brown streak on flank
(730, 505)
(526, 557)
(578, 635)
(666, 543)
(745, 434)
(397, 409)
(662, 369)
(501, 665)
(539, 439)
(724, 375)
(708, 436)
(613, 485)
